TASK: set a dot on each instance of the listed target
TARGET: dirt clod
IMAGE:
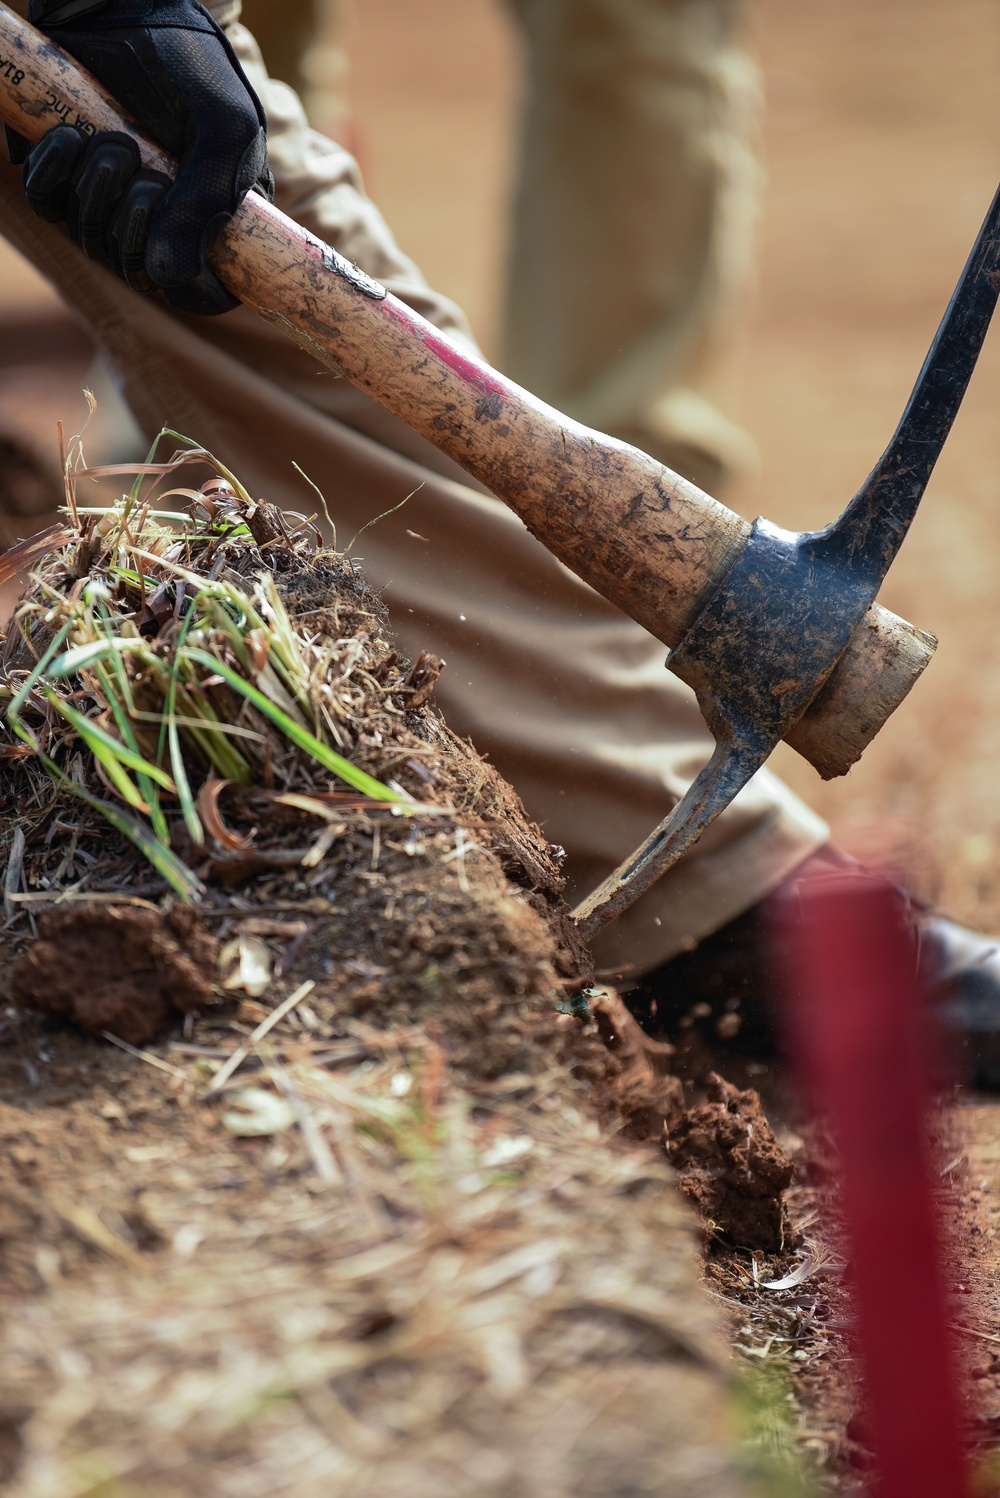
(731, 1166)
(126, 969)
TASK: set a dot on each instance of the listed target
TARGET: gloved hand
(172, 68)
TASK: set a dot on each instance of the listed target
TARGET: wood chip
(242, 1052)
(88, 1226)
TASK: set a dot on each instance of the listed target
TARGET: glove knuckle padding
(172, 68)
(129, 230)
(108, 164)
(48, 171)
(225, 153)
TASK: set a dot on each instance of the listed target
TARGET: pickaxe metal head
(767, 640)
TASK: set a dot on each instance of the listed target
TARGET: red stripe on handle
(858, 1024)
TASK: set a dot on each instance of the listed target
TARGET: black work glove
(172, 68)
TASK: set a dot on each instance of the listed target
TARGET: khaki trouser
(633, 225)
(568, 697)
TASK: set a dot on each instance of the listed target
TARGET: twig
(290, 955)
(971, 1332)
(88, 1226)
(462, 844)
(146, 1056)
(242, 1052)
(284, 907)
(76, 894)
(312, 1134)
(12, 873)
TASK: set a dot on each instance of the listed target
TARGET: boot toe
(961, 969)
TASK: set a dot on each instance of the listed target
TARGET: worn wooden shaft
(653, 544)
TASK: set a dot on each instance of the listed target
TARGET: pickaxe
(778, 633)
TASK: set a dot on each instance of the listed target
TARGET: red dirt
(732, 1167)
(126, 969)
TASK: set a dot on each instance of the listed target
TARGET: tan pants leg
(568, 697)
(633, 225)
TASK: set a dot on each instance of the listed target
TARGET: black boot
(726, 989)
(962, 971)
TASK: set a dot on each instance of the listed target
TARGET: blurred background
(880, 140)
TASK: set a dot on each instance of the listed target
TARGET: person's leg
(567, 696)
(634, 213)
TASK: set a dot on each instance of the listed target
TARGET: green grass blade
(113, 769)
(79, 657)
(20, 697)
(176, 873)
(134, 492)
(221, 467)
(177, 515)
(182, 880)
(328, 758)
(97, 737)
(164, 860)
(189, 811)
(203, 727)
(119, 708)
(227, 761)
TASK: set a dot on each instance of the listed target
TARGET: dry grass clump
(211, 706)
(165, 666)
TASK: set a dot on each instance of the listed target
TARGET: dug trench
(339, 1172)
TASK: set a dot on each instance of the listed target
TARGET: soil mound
(369, 1213)
(223, 685)
(732, 1167)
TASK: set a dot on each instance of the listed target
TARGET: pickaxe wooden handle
(642, 536)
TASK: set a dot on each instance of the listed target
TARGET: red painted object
(858, 1026)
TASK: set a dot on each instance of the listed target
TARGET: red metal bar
(859, 1027)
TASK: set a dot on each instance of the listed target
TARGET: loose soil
(420, 1237)
(422, 1231)
(732, 1167)
(879, 132)
(152, 968)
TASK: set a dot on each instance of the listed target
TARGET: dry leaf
(260, 1112)
(246, 962)
(789, 1281)
(208, 810)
